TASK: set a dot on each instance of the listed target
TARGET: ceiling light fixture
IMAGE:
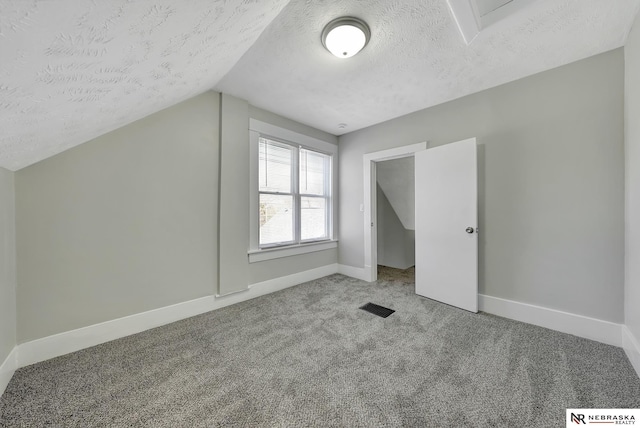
(344, 37)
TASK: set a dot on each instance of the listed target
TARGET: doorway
(395, 225)
(371, 161)
(446, 244)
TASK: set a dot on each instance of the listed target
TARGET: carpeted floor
(399, 276)
(308, 357)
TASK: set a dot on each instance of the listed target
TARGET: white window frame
(259, 129)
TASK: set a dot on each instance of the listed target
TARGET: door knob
(469, 229)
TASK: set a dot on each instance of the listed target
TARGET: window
(292, 180)
(294, 187)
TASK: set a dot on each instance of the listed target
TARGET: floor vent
(378, 310)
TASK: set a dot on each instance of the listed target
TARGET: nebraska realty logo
(602, 416)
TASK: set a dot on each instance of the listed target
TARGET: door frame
(370, 202)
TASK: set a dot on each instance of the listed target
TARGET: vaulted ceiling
(72, 70)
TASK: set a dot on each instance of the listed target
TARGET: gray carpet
(307, 357)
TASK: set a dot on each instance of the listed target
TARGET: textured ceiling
(71, 70)
(416, 57)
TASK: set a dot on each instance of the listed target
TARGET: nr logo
(577, 418)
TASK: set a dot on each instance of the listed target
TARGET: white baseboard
(70, 341)
(631, 348)
(578, 325)
(277, 284)
(7, 369)
(353, 272)
(272, 285)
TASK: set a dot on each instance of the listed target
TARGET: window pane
(313, 218)
(276, 219)
(313, 166)
(275, 163)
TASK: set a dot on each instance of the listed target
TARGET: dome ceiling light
(346, 36)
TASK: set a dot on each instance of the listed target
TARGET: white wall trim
(395, 153)
(272, 285)
(631, 347)
(74, 340)
(466, 15)
(277, 284)
(70, 341)
(369, 198)
(353, 272)
(565, 322)
(7, 369)
(258, 129)
(291, 136)
(291, 250)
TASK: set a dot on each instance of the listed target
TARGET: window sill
(290, 250)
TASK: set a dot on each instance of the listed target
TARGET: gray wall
(396, 179)
(276, 268)
(550, 183)
(7, 264)
(128, 222)
(120, 225)
(234, 196)
(283, 122)
(632, 180)
(396, 245)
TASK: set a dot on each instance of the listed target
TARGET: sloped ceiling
(396, 179)
(71, 70)
(416, 58)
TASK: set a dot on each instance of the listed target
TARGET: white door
(446, 224)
